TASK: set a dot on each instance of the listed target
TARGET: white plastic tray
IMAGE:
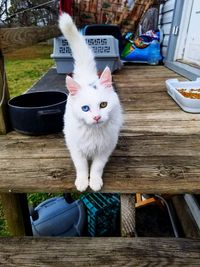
(187, 104)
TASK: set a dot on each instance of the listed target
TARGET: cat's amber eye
(103, 104)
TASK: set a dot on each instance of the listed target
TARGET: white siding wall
(165, 22)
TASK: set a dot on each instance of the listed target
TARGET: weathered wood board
(14, 38)
(4, 96)
(112, 251)
(31, 164)
(158, 149)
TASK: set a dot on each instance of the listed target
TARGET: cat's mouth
(97, 122)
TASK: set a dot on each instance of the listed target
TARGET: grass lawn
(23, 68)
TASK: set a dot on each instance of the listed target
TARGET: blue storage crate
(103, 214)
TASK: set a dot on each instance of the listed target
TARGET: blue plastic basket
(103, 214)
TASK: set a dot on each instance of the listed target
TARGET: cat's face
(94, 103)
(94, 106)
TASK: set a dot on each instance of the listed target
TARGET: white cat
(93, 115)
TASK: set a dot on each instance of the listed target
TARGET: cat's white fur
(87, 139)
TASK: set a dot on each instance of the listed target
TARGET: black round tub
(38, 113)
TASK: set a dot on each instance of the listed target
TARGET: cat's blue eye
(85, 108)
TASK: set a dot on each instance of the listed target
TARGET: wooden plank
(121, 175)
(16, 217)
(15, 209)
(13, 38)
(154, 164)
(18, 146)
(157, 174)
(99, 252)
(53, 146)
(4, 96)
(140, 202)
(127, 213)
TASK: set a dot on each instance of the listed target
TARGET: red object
(66, 6)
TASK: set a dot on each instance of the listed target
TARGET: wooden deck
(158, 152)
(158, 149)
(104, 252)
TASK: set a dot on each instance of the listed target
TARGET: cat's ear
(72, 86)
(106, 78)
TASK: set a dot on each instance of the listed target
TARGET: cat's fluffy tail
(84, 63)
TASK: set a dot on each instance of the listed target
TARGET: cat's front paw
(96, 184)
(81, 184)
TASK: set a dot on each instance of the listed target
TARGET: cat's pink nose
(97, 118)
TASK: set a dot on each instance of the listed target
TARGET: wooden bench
(158, 152)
